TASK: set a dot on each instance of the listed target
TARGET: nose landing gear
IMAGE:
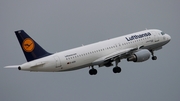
(153, 57)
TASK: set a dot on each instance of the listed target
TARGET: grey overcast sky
(59, 25)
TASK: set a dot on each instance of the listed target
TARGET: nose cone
(168, 37)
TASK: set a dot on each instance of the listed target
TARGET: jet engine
(140, 56)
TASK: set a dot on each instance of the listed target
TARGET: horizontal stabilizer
(14, 66)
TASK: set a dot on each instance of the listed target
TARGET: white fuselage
(84, 56)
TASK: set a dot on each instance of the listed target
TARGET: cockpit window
(162, 33)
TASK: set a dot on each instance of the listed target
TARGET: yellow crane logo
(28, 45)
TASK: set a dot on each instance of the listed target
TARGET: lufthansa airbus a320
(135, 47)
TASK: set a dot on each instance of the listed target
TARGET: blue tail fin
(31, 49)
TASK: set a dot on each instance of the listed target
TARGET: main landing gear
(116, 69)
(153, 57)
(92, 71)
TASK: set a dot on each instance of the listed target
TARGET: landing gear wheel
(116, 69)
(154, 57)
(92, 71)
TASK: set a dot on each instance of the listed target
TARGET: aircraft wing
(118, 54)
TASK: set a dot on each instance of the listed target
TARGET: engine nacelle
(140, 56)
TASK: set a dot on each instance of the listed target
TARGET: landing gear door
(58, 62)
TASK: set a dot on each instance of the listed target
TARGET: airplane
(135, 47)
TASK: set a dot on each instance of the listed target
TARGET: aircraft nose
(168, 37)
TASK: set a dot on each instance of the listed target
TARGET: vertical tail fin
(31, 49)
